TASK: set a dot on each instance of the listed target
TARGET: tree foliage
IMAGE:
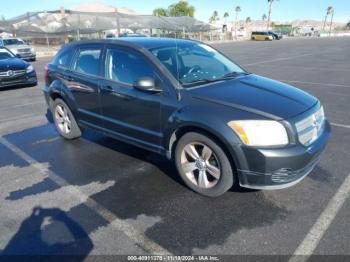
(214, 17)
(181, 8)
(160, 12)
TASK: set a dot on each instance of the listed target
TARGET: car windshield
(4, 54)
(13, 42)
(194, 64)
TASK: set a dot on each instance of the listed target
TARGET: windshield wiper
(230, 75)
(234, 74)
(201, 81)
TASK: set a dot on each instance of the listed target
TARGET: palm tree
(160, 12)
(214, 17)
(329, 10)
(226, 14)
(270, 10)
(248, 20)
(238, 9)
(264, 17)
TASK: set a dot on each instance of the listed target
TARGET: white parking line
(313, 83)
(135, 235)
(277, 59)
(312, 239)
(340, 125)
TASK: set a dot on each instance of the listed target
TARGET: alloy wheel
(200, 164)
(62, 119)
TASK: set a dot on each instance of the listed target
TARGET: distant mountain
(101, 7)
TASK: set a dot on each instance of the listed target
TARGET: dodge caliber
(221, 125)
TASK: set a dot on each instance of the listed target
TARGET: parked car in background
(132, 35)
(261, 36)
(185, 100)
(19, 48)
(15, 71)
(275, 35)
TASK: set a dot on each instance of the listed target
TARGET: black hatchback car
(185, 100)
(15, 71)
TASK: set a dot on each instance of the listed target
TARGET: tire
(195, 173)
(253, 38)
(64, 120)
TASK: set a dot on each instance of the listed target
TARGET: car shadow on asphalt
(146, 184)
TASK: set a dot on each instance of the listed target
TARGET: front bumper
(22, 80)
(27, 56)
(271, 169)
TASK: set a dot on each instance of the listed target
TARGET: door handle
(69, 78)
(107, 88)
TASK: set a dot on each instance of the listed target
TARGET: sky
(283, 10)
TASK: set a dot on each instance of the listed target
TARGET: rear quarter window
(64, 58)
(88, 60)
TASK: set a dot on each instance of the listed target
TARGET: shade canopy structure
(68, 21)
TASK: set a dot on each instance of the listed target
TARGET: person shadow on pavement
(31, 238)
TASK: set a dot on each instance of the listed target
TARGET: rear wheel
(64, 120)
(203, 165)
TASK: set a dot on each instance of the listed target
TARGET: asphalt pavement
(98, 196)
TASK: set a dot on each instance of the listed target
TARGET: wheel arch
(181, 131)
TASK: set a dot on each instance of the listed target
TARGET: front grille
(310, 128)
(24, 50)
(12, 73)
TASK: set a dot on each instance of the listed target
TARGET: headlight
(32, 50)
(260, 132)
(30, 69)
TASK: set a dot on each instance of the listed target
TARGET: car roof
(146, 42)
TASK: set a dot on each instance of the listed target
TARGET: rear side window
(126, 66)
(88, 60)
(63, 58)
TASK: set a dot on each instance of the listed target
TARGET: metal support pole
(118, 21)
(78, 30)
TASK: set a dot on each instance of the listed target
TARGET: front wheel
(64, 120)
(203, 165)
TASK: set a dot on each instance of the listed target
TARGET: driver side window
(127, 67)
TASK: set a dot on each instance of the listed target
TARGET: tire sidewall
(227, 177)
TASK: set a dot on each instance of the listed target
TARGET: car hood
(258, 95)
(17, 46)
(13, 64)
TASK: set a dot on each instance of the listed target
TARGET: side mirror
(147, 84)
(18, 55)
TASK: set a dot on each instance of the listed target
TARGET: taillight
(47, 74)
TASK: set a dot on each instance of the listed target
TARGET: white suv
(19, 48)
